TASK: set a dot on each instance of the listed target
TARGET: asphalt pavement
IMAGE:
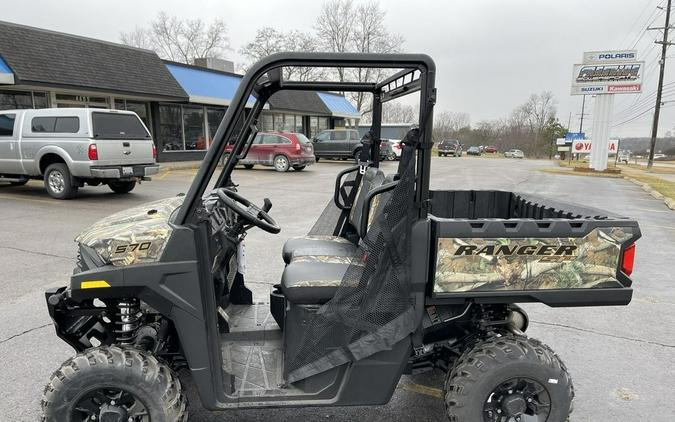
(621, 358)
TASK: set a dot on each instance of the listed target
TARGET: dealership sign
(610, 56)
(608, 72)
(585, 146)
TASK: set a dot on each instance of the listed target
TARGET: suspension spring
(127, 321)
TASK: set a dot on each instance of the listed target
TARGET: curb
(185, 165)
(670, 202)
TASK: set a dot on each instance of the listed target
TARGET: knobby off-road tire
(135, 372)
(497, 361)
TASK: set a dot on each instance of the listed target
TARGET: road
(621, 358)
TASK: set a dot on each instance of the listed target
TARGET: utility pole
(662, 64)
(583, 107)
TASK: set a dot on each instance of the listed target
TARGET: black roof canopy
(299, 101)
(42, 57)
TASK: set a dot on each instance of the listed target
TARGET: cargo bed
(505, 247)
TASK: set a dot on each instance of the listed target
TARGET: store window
(313, 126)
(267, 122)
(40, 100)
(140, 108)
(214, 117)
(278, 122)
(193, 127)
(13, 100)
(170, 127)
(299, 126)
(323, 123)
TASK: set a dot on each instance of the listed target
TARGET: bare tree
(447, 124)
(269, 40)
(394, 112)
(139, 38)
(181, 40)
(344, 27)
(538, 110)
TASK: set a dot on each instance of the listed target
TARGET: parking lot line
(163, 175)
(44, 201)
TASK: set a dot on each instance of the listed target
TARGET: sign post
(603, 74)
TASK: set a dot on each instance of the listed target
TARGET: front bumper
(121, 172)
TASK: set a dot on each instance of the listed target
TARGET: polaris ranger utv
(394, 278)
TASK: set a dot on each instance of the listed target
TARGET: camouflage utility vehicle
(394, 278)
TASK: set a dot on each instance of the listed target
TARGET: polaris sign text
(611, 78)
(609, 56)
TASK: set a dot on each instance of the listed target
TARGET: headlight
(88, 258)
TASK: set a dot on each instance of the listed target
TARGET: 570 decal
(132, 247)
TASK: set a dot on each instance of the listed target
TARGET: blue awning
(6, 74)
(339, 106)
(206, 86)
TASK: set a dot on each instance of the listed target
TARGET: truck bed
(497, 246)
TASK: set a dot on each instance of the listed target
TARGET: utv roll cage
(417, 73)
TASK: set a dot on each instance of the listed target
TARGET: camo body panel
(593, 264)
(148, 223)
(331, 259)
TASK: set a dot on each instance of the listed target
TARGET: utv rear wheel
(58, 182)
(122, 187)
(111, 383)
(508, 378)
(281, 163)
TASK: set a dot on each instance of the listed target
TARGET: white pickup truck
(68, 147)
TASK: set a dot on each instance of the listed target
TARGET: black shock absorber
(127, 321)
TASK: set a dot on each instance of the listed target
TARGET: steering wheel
(249, 212)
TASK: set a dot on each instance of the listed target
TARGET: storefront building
(182, 105)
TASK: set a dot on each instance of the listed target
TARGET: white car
(514, 153)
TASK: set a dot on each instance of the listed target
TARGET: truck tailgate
(116, 151)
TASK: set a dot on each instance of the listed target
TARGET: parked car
(660, 156)
(473, 151)
(390, 149)
(623, 157)
(514, 153)
(490, 150)
(68, 147)
(281, 150)
(337, 143)
(449, 147)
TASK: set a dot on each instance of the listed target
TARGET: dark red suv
(282, 150)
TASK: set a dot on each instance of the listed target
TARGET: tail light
(628, 259)
(154, 151)
(298, 147)
(92, 153)
(397, 146)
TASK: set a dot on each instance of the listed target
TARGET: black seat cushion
(315, 279)
(318, 245)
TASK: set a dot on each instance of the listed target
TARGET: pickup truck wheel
(281, 163)
(508, 378)
(114, 384)
(58, 182)
(317, 159)
(122, 187)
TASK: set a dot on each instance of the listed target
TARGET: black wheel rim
(518, 400)
(111, 404)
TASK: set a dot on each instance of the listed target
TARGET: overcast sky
(490, 54)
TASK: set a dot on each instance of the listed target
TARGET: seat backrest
(371, 179)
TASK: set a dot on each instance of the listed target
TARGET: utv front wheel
(508, 378)
(111, 383)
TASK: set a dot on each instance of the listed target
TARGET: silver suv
(68, 147)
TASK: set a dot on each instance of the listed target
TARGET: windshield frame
(264, 78)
